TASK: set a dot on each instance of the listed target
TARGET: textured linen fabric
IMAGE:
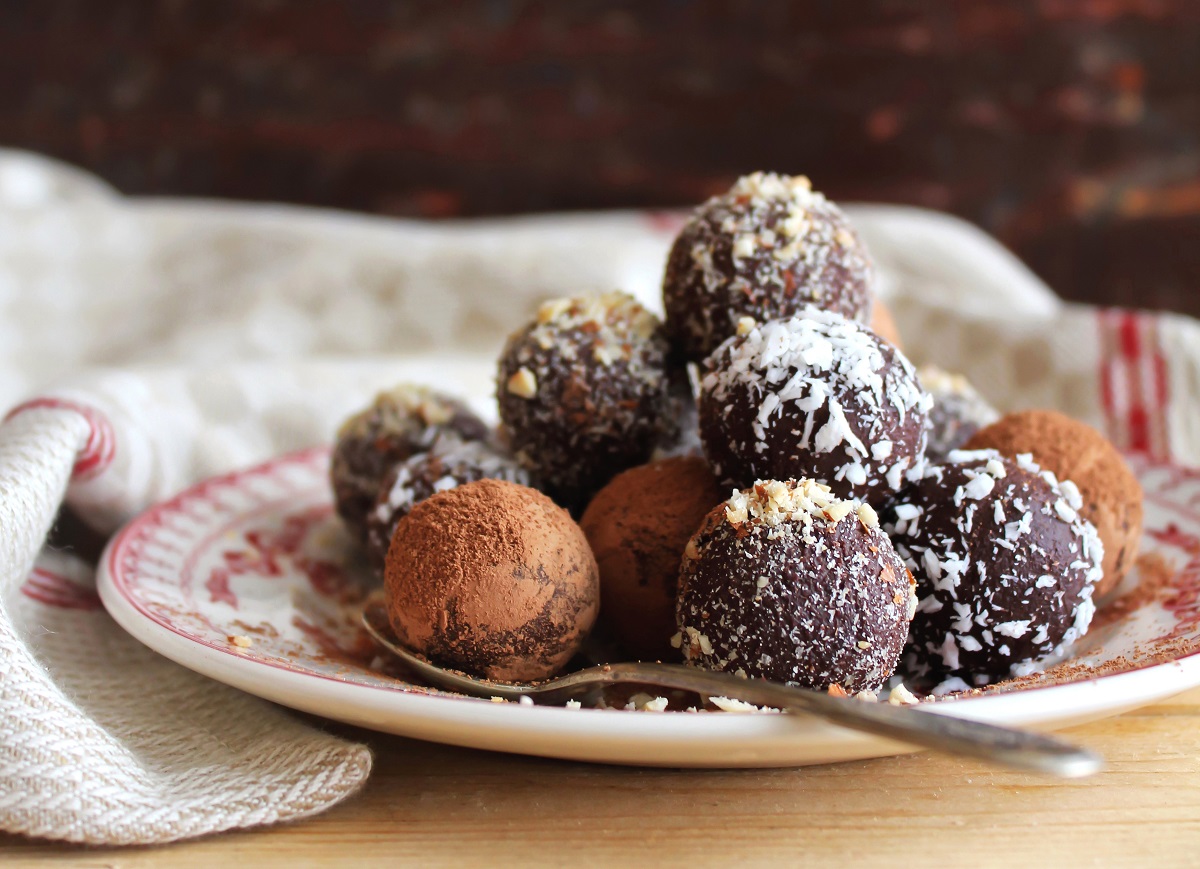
(149, 344)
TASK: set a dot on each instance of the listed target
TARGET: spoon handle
(1018, 749)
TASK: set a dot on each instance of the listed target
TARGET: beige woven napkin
(166, 341)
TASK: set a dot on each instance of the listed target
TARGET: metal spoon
(1017, 749)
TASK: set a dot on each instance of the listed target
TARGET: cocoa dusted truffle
(1005, 565)
(583, 393)
(786, 582)
(1112, 496)
(958, 411)
(638, 526)
(494, 579)
(398, 424)
(443, 468)
(815, 396)
(883, 324)
(765, 249)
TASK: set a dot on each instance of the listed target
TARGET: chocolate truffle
(883, 324)
(494, 579)
(583, 393)
(815, 396)
(445, 467)
(1005, 565)
(786, 582)
(1112, 496)
(958, 411)
(638, 526)
(400, 423)
(765, 249)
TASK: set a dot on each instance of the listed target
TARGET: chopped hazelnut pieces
(553, 309)
(523, 384)
(867, 516)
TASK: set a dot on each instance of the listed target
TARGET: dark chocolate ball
(448, 465)
(1005, 565)
(765, 249)
(814, 396)
(958, 411)
(399, 423)
(583, 393)
(786, 582)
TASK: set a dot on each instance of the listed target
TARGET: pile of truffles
(763, 483)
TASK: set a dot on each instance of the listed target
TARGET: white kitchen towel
(148, 344)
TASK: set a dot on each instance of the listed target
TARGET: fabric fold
(101, 740)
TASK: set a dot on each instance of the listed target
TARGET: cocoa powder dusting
(1155, 573)
(638, 526)
(492, 578)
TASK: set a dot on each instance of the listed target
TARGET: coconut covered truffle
(424, 475)
(815, 396)
(786, 582)
(494, 579)
(765, 249)
(1112, 496)
(638, 526)
(398, 424)
(583, 393)
(958, 411)
(1005, 565)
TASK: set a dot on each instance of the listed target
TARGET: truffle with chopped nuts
(1112, 496)
(814, 396)
(583, 393)
(766, 248)
(786, 582)
(399, 423)
(958, 411)
(492, 578)
(424, 475)
(1005, 565)
(638, 526)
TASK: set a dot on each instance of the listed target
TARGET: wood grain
(431, 805)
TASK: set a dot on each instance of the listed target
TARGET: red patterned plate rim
(118, 598)
(321, 453)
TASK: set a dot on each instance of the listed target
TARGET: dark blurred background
(1068, 128)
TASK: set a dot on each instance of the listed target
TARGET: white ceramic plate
(248, 579)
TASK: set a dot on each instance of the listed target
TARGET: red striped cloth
(1134, 384)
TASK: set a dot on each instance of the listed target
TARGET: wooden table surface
(431, 805)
